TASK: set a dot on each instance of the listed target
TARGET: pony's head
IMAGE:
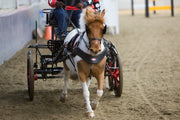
(95, 28)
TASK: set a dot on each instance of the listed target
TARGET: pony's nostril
(91, 50)
(95, 51)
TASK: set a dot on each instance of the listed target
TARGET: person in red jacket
(69, 8)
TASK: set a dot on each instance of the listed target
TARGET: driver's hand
(59, 4)
(80, 5)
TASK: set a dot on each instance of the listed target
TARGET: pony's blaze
(95, 33)
(95, 46)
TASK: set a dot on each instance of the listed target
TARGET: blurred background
(17, 19)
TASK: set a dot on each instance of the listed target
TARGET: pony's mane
(92, 16)
(88, 16)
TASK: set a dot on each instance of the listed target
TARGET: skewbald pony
(93, 49)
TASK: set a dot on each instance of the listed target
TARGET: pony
(86, 56)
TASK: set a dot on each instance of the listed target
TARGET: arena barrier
(154, 7)
(16, 30)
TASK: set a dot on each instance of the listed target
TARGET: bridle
(95, 39)
(92, 39)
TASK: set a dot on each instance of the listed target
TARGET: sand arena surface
(150, 52)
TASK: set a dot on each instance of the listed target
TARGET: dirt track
(150, 51)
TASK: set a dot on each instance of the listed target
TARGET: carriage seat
(50, 19)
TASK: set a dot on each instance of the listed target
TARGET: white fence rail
(16, 27)
(16, 3)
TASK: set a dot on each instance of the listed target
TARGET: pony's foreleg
(95, 102)
(88, 82)
(86, 95)
(64, 92)
(100, 80)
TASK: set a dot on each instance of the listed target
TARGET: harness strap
(89, 58)
(72, 61)
(95, 39)
(85, 43)
(81, 38)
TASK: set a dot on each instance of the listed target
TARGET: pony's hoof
(91, 114)
(94, 105)
(63, 98)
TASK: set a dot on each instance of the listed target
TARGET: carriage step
(38, 46)
(49, 70)
(107, 74)
(47, 77)
(113, 68)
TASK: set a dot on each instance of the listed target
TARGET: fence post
(172, 7)
(154, 4)
(146, 8)
(132, 7)
(30, 2)
(17, 4)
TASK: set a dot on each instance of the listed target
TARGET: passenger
(69, 8)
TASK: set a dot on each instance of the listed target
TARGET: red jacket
(52, 4)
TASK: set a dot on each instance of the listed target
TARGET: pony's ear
(103, 13)
(87, 12)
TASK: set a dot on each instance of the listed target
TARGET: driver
(69, 8)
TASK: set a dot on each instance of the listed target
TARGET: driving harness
(75, 50)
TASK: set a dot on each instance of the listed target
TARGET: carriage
(49, 68)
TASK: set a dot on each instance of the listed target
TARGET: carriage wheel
(110, 80)
(30, 76)
(116, 78)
